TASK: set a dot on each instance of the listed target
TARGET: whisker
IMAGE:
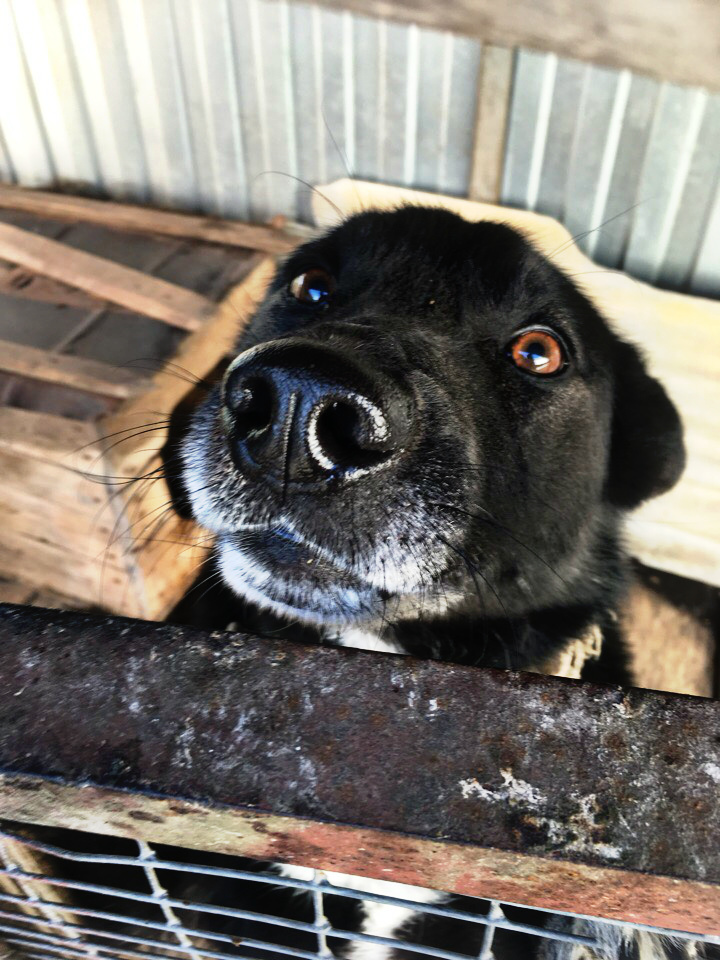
(109, 436)
(211, 579)
(168, 367)
(586, 233)
(305, 183)
(139, 433)
(506, 530)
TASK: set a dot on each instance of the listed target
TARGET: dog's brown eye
(315, 286)
(538, 352)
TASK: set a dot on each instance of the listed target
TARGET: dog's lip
(279, 530)
(283, 546)
(311, 593)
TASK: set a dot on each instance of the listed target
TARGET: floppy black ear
(647, 453)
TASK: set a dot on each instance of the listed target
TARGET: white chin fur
(254, 582)
(394, 570)
(345, 610)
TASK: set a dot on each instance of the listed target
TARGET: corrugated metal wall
(595, 146)
(219, 105)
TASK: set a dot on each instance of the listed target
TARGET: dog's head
(425, 414)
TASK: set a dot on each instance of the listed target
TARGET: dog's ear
(647, 453)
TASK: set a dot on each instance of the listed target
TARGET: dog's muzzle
(301, 413)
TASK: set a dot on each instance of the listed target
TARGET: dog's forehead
(432, 235)
(416, 254)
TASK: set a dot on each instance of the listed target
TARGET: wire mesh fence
(71, 894)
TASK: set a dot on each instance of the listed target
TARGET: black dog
(427, 443)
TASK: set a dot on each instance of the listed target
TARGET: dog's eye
(539, 352)
(315, 286)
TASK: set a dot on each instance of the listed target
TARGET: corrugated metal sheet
(226, 106)
(630, 165)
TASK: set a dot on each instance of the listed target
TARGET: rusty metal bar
(508, 786)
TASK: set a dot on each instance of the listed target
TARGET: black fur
(509, 493)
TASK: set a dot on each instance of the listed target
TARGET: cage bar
(77, 930)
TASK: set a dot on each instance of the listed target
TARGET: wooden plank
(64, 532)
(20, 283)
(14, 591)
(84, 536)
(168, 560)
(166, 552)
(675, 40)
(11, 591)
(197, 356)
(680, 531)
(64, 527)
(169, 555)
(54, 601)
(670, 647)
(120, 216)
(43, 436)
(48, 566)
(105, 279)
(45, 481)
(57, 521)
(493, 101)
(151, 565)
(90, 376)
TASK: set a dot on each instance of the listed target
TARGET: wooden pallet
(78, 519)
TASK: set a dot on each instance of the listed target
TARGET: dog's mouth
(286, 555)
(277, 568)
(277, 549)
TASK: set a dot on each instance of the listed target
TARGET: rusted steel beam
(520, 787)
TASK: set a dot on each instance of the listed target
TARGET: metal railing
(72, 929)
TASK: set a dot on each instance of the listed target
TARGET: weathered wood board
(85, 510)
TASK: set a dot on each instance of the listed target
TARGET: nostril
(251, 400)
(349, 434)
(299, 414)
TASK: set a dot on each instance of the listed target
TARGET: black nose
(300, 412)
